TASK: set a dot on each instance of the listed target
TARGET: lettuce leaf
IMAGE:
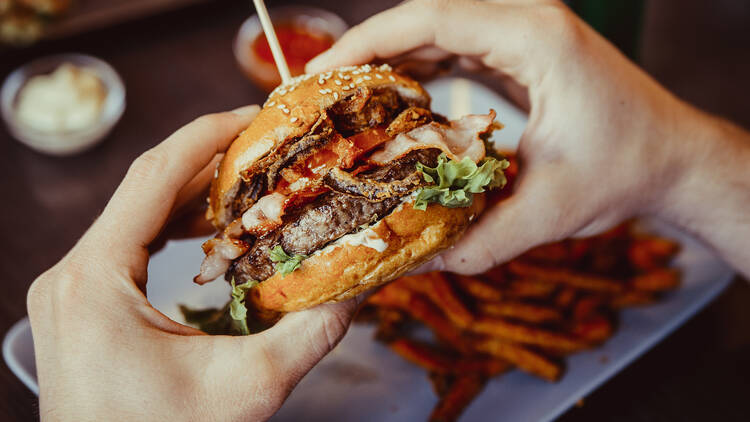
(285, 263)
(454, 183)
(215, 321)
(237, 307)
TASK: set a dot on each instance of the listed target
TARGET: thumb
(301, 339)
(530, 217)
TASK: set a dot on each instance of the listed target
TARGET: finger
(509, 33)
(196, 190)
(142, 203)
(190, 224)
(539, 212)
(301, 339)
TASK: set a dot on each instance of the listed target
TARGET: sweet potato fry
(477, 288)
(418, 307)
(632, 298)
(551, 253)
(520, 311)
(441, 382)
(526, 359)
(565, 298)
(437, 287)
(586, 306)
(594, 330)
(650, 252)
(526, 288)
(435, 360)
(423, 355)
(390, 322)
(497, 328)
(565, 276)
(657, 280)
(463, 390)
(496, 276)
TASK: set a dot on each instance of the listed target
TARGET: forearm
(711, 198)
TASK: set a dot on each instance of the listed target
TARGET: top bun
(290, 112)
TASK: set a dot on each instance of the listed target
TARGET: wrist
(710, 193)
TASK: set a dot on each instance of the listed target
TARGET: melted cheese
(367, 238)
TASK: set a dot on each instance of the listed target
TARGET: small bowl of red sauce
(303, 33)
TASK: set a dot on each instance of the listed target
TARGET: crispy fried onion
(373, 190)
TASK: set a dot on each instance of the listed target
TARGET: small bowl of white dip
(62, 104)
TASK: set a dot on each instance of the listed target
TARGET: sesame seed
(271, 103)
(329, 90)
(379, 76)
(392, 78)
(321, 81)
(282, 92)
(358, 81)
(281, 106)
(337, 82)
(366, 68)
(385, 68)
(346, 88)
(346, 77)
(286, 111)
(351, 85)
(293, 119)
(355, 72)
(322, 91)
(335, 95)
(367, 78)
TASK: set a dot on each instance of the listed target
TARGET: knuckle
(562, 26)
(148, 165)
(38, 295)
(334, 326)
(212, 121)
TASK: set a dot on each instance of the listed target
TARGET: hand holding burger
(604, 142)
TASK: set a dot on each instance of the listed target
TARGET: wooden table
(180, 65)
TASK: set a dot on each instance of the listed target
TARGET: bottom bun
(406, 238)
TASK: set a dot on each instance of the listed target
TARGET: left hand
(104, 353)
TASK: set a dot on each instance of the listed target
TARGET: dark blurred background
(179, 64)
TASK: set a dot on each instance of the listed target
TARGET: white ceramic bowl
(311, 18)
(67, 143)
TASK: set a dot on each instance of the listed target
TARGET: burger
(344, 181)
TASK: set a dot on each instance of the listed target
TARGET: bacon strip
(458, 140)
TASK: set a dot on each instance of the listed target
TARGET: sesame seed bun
(290, 112)
(344, 268)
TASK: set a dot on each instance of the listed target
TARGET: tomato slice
(369, 139)
(341, 152)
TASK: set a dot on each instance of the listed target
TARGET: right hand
(604, 141)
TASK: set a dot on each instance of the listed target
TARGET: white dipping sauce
(69, 99)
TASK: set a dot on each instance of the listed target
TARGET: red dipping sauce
(303, 33)
(298, 44)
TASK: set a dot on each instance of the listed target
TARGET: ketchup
(298, 44)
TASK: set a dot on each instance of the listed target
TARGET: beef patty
(326, 219)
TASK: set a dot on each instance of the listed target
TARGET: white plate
(364, 381)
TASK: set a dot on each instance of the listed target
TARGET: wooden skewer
(273, 41)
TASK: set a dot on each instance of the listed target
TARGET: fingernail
(246, 110)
